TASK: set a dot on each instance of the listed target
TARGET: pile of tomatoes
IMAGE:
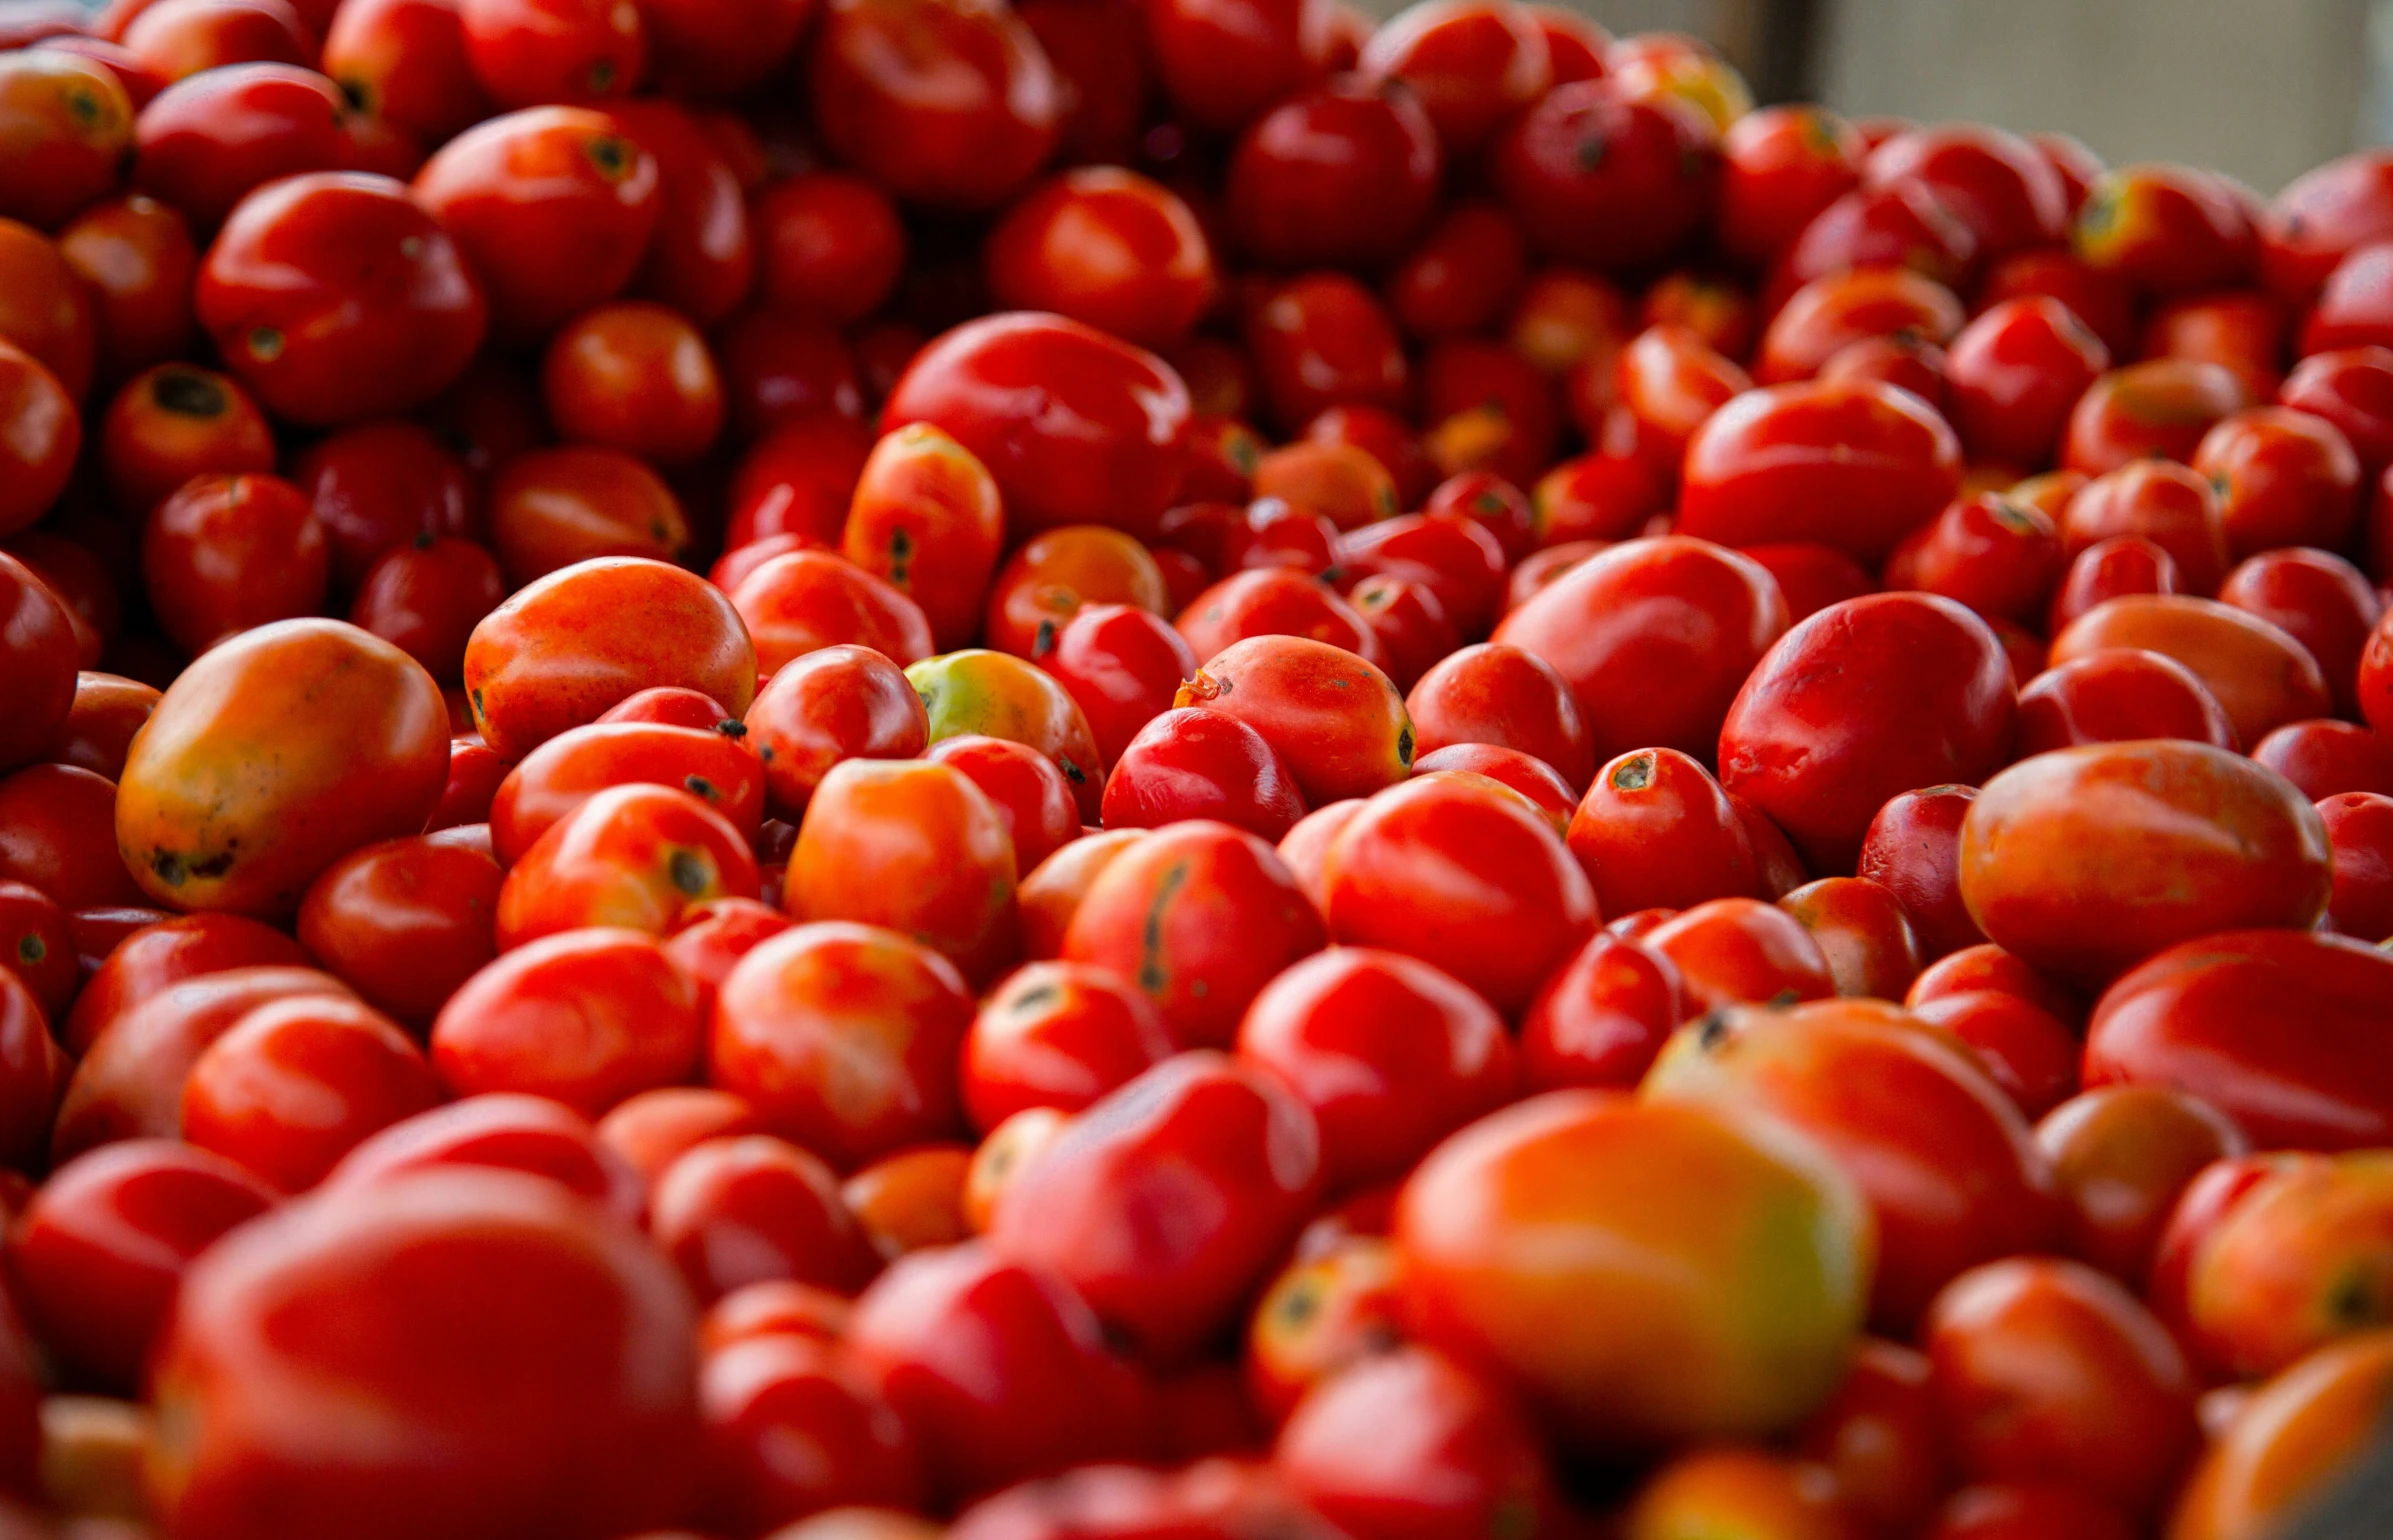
(1170, 770)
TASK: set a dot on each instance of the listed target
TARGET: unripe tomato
(1719, 1343)
(993, 693)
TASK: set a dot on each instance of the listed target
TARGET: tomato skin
(804, 600)
(734, 1211)
(135, 255)
(226, 554)
(2285, 478)
(1001, 1369)
(2162, 407)
(567, 646)
(2211, 1018)
(404, 62)
(1939, 708)
(528, 1134)
(1122, 665)
(1274, 601)
(1643, 611)
(1337, 721)
(1601, 1018)
(98, 731)
(885, 99)
(1032, 798)
(32, 1073)
(377, 486)
(1878, 1436)
(1830, 319)
(1656, 832)
(200, 826)
(2109, 1407)
(2116, 694)
(636, 856)
(1780, 167)
(1233, 1130)
(213, 138)
(634, 375)
(1322, 341)
(524, 53)
(2349, 388)
(1200, 916)
(567, 770)
(832, 704)
(1108, 247)
(165, 952)
(1628, 208)
(37, 645)
(1194, 763)
(72, 120)
(426, 597)
(404, 922)
(2325, 758)
(1462, 273)
(1863, 931)
(1474, 1281)
(37, 948)
(844, 1038)
(927, 518)
(1498, 694)
(2297, 1440)
(638, 1022)
(1056, 1034)
(1998, 556)
(95, 1257)
(1054, 574)
(552, 207)
(594, 1331)
(913, 846)
(296, 1084)
(45, 432)
(2143, 814)
(831, 246)
(1340, 176)
(1123, 462)
(1765, 466)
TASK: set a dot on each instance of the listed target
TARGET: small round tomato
(1122, 664)
(71, 122)
(1053, 574)
(552, 207)
(1732, 951)
(792, 1429)
(844, 1038)
(1499, 694)
(294, 1085)
(569, 1307)
(2262, 677)
(1878, 1437)
(97, 734)
(164, 953)
(229, 553)
(404, 922)
(1195, 763)
(2353, 389)
(652, 1129)
(1900, 224)
(979, 691)
(1032, 798)
(37, 645)
(175, 422)
(1945, 1159)
(210, 140)
(365, 758)
(913, 846)
(2317, 598)
(942, 105)
(55, 822)
(1602, 1017)
(1821, 761)
(96, 1256)
(2161, 407)
(829, 245)
(1632, 199)
(1231, 1148)
(1830, 315)
(1108, 247)
(1475, 1231)
(1051, 892)
(2145, 815)
(379, 485)
(1341, 175)
(2114, 695)
(2015, 372)
(2048, 1370)
(1787, 463)
(752, 1208)
(1617, 624)
(1863, 931)
(37, 947)
(524, 53)
(802, 601)
(1342, 483)
(1780, 167)
(1200, 916)
(1999, 556)
(2158, 500)
(2167, 229)
(2108, 569)
(1656, 832)
(337, 296)
(2360, 835)
(1107, 450)
(2121, 1155)
(637, 856)
(404, 62)
(1056, 1034)
(633, 375)
(425, 598)
(567, 646)
(553, 507)
(1461, 274)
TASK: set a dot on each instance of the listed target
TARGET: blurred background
(2263, 89)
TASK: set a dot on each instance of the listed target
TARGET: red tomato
(636, 1022)
(404, 922)
(43, 434)
(913, 846)
(1629, 206)
(832, 704)
(1656, 831)
(1772, 463)
(944, 104)
(1780, 167)
(2161, 407)
(1195, 763)
(1878, 1437)
(583, 1320)
(2317, 598)
(296, 1084)
(1056, 1034)
(1461, 274)
(634, 375)
(1340, 176)
(529, 1134)
(377, 486)
(1336, 721)
(525, 53)
(1322, 341)
(1122, 665)
(2114, 695)
(38, 688)
(404, 62)
(2015, 372)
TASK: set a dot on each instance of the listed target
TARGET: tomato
(2116, 694)
(632, 855)
(913, 846)
(38, 949)
(1780, 167)
(734, 1211)
(1656, 831)
(634, 375)
(2111, 568)
(1322, 341)
(1769, 464)
(928, 519)
(2274, 1274)
(166, 952)
(1274, 601)
(2211, 1018)
(1122, 665)
(2160, 407)
(2107, 1406)
(832, 704)
(1476, 1279)
(379, 485)
(527, 52)
(43, 434)
(2167, 229)
(98, 731)
(2317, 598)
(1902, 224)
(1199, 916)
(201, 824)
(2324, 758)
(552, 207)
(2261, 676)
(1461, 274)
(2121, 1155)
(1821, 765)
(426, 597)
(829, 246)
(2298, 1441)
(1390, 1053)
(1632, 205)
(2170, 505)
(1342, 175)
(564, 772)
(638, 1022)
(1602, 1017)
(1059, 1035)
(1032, 798)
(1120, 462)
(404, 922)
(843, 1037)
(2358, 826)
(569, 645)
(1864, 933)
(37, 644)
(2015, 373)
(944, 104)
(1050, 893)
(1829, 316)
(1731, 951)
(295, 1084)
(404, 62)
(529, 1134)
(1674, 609)
(1497, 694)
(802, 601)
(175, 422)
(1999, 185)
(595, 1335)
(1055, 573)
(71, 123)
(1000, 1369)
(136, 258)
(1197, 763)
(97, 1254)
(1108, 247)
(1877, 1436)
(229, 553)
(1999, 556)
(185, 37)
(2348, 387)
(1196, 1123)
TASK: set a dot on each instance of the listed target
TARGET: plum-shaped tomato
(927, 519)
(273, 756)
(1223, 1145)
(540, 1355)
(1077, 427)
(567, 646)
(1945, 1160)
(1643, 1271)
(1654, 638)
(914, 846)
(2086, 861)
(2271, 1027)
(1340, 176)
(338, 296)
(1600, 177)
(950, 103)
(1864, 701)
(1335, 720)
(2299, 1439)
(1109, 247)
(1852, 464)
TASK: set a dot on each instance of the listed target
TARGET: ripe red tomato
(1340, 176)
(1772, 464)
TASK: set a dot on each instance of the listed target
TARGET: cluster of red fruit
(1429, 788)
